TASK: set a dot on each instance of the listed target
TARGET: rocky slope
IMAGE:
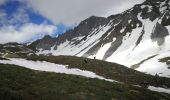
(14, 48)
(137, 38)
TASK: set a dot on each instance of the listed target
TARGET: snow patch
(100, 54)
(129, 21)
(122, 30)
(143, 6)
(159, 89)
(69, 48)
(150, 8)
(51, 67)
(162, 7)
(153, 66)
(128, 43)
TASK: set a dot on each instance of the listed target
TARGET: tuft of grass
(18, 83)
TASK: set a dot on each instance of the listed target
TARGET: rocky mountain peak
(45, 43)
(129, 38)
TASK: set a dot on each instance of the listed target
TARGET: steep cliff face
(135, 38)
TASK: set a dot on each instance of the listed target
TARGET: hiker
(94, 57)
(85, 60)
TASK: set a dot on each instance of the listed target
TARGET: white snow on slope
(68, 48)
(122, 30)
(168, 28)
(50, 67)
(159, 89)
(163, 7)
(128, 52)
(153, 66)
(119, 56)
(93, 40)
(101, 52)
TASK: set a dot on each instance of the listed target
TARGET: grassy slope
(21, 83)
(106, 69)
(1, 58)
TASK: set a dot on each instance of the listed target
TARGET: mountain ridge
(127, 38)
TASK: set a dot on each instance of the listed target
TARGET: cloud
(70, 12)
(25, 33)
(17, 26)
(2, 2)
(20, 16)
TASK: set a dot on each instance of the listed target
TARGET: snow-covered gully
(51, 67)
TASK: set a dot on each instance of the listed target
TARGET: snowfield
(154, 66)
(69, 48)
(129, 53)
(136, 46)
(159, 89)
(51, 67)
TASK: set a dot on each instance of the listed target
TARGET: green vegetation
(13, 49)
(17, 83)
(106, 69)
(11, 55)
(165, 60)
(1, 58)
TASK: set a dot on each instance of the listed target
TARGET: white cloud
(70, 12)
(2, 17)
(20, 16)
(25, 33)
(16, 27)
(67, 12)
(2, 2)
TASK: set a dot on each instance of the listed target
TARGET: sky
(25, 21)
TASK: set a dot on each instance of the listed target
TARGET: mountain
(13, 47)
(137, 38)
(45, 43)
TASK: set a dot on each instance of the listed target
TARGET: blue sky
(17, 17)
(28, 20)
(11, 7)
